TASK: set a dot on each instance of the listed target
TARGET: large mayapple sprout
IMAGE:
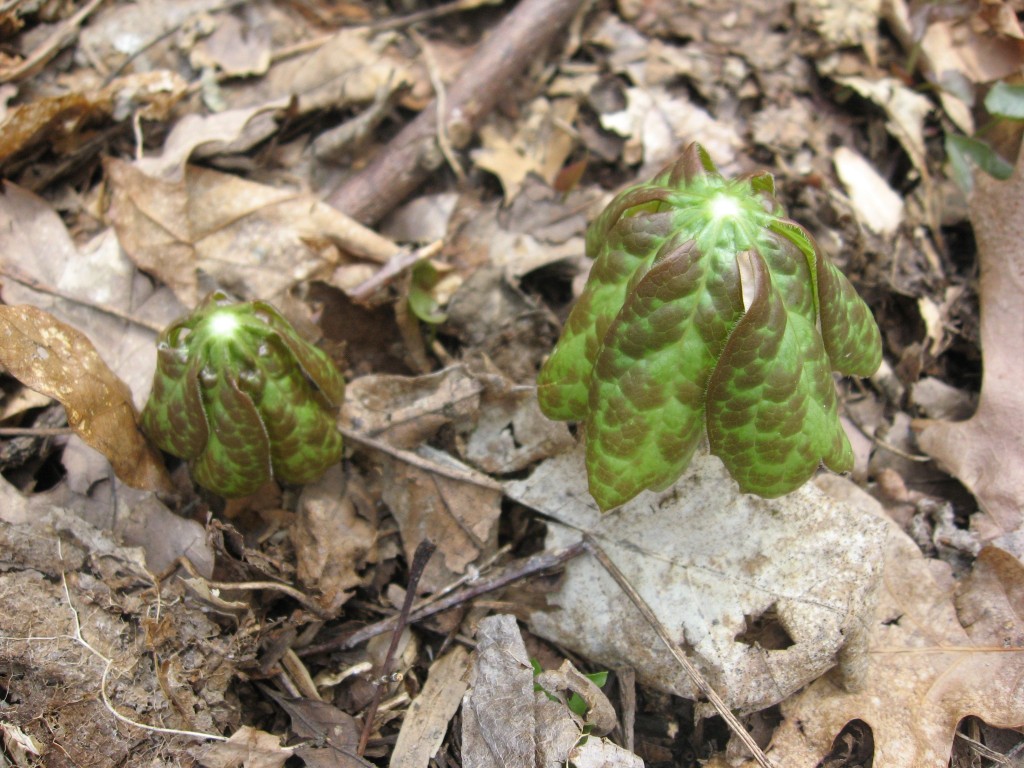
(243, 398)
(707, 312)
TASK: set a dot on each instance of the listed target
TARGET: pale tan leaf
(765, 594)
(332, 542)
(984, 452)
(931, 663)
(249, 238)
(426, 722)
(57, 360)
(247, 748)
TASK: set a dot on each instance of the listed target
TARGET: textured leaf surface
(707, 312)
(243, 397)
(653, 368)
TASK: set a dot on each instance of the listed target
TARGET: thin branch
(441, 104)
(35, 431)
(419, 563)
(517, 571)
(413, 154)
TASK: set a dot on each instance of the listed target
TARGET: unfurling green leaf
(707, 312)
(243, 398)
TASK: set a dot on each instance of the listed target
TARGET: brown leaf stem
(419, 563)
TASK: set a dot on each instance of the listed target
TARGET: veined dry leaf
(714, 564)
(55, 359)
(930, 664)
(434, 496)
(252, 239)
(984, 451)
(507, 723)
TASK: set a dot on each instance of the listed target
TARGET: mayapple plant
(707, 312)
(243, 398)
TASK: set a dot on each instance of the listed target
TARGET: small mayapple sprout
(243, 398)
(709, 313)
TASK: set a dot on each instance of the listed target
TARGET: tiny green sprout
(709, 313)
(576, 703)
(243, 398)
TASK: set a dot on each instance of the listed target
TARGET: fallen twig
(410, 157)
(419, 563)
(516, 571)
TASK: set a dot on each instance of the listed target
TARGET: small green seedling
(576, 703)
(707, 312)
(1005, 103)
(243, 398)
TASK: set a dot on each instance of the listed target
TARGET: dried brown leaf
(931, 663)
(347, 68)
(511, 433)
(57, 360)
(250, 238)
(55, 118)
(426, 722)
(984, 451)
(247, 748)
(332, 542)
(539, 146)
(433, 496)
(406, 411)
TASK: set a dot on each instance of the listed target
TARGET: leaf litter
(213, 125)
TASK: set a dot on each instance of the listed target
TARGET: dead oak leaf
(250, 238)
(55, 359)
(983, 452)
(934, 658)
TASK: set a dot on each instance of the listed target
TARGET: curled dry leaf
(984, 451)
(932, 661)
(249, 748)
(55, 359)
(149, 94)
